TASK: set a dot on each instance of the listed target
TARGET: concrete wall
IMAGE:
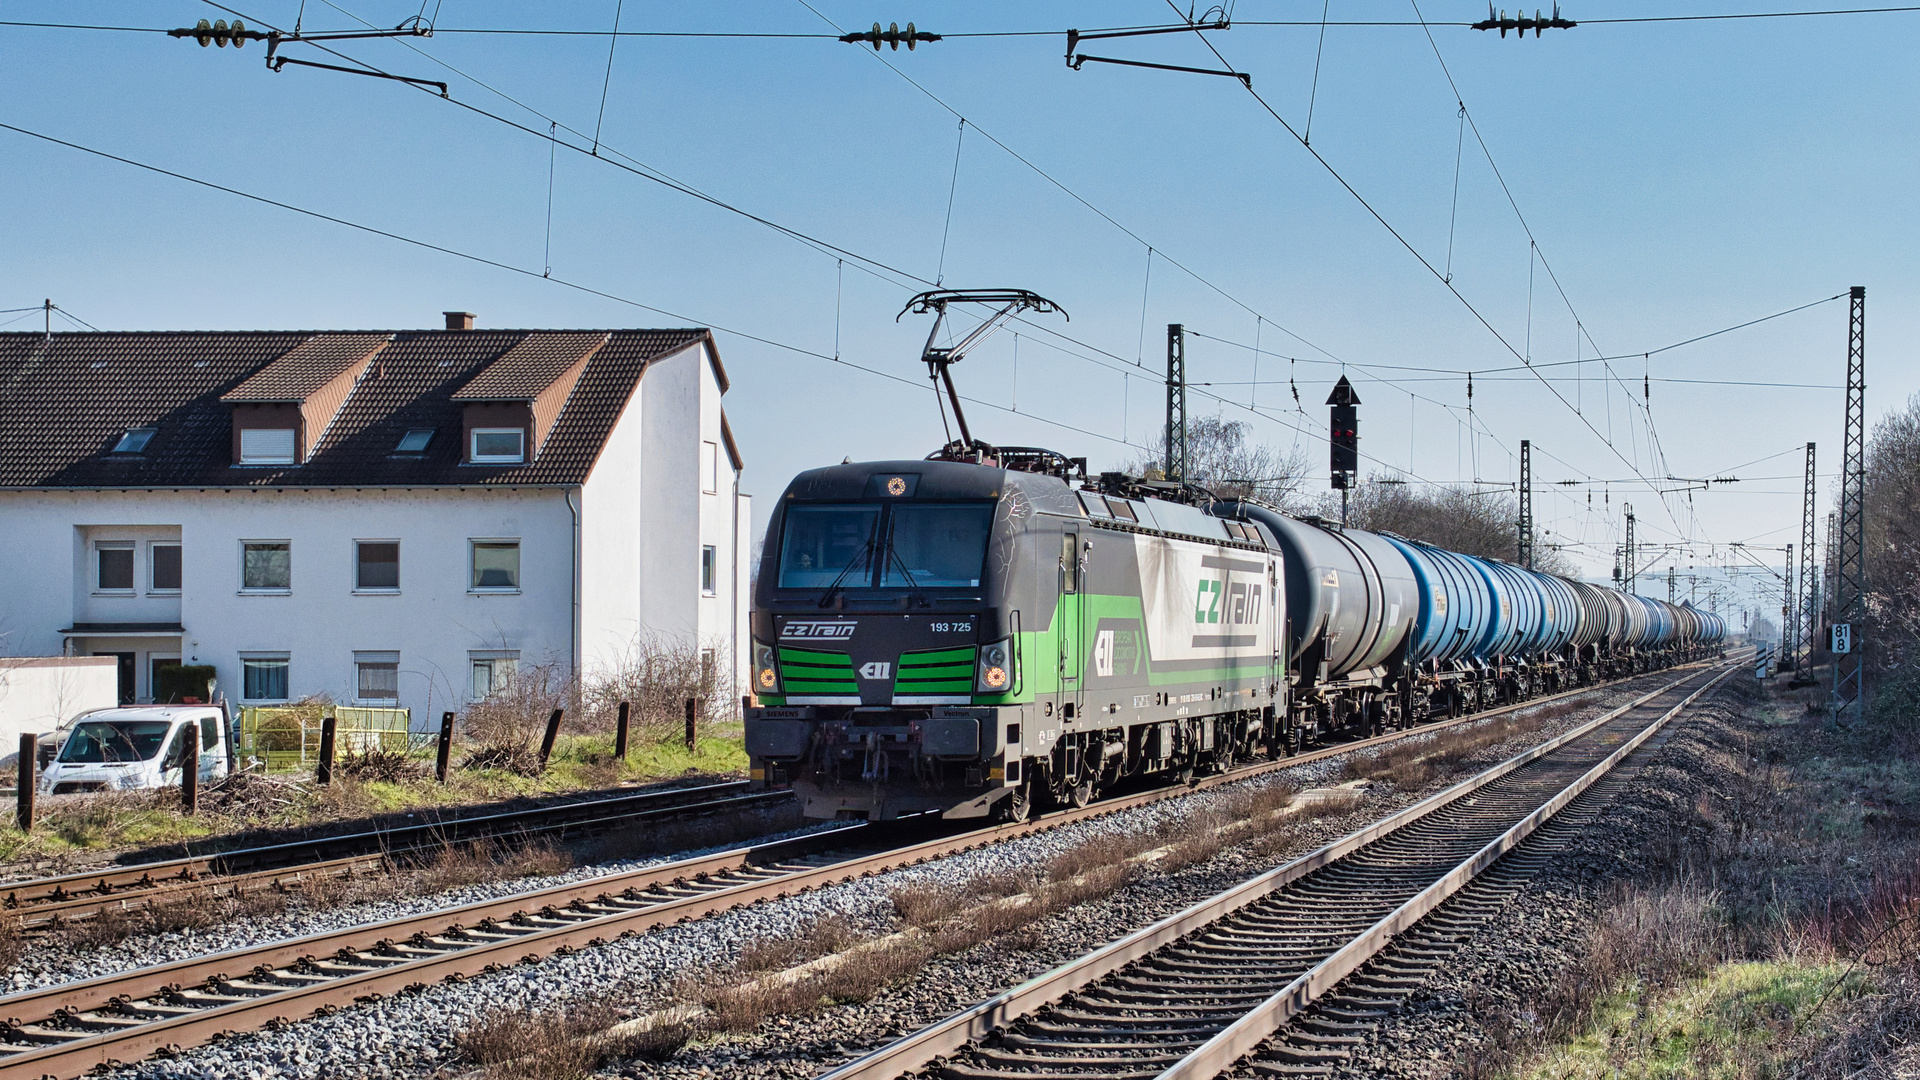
(39, 694)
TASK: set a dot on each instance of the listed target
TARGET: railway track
(67, 1030)
(38, 904)
(1194, 994)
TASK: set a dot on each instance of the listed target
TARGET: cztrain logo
(1236, 603)
(837, 630)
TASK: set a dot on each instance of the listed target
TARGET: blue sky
(1678, 178)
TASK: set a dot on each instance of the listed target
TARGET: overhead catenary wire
(1183, 268)
(527, 31)
(509, 267)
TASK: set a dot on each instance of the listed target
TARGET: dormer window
(267, 446)
(498, 446)
(134, 441)
(415, 441)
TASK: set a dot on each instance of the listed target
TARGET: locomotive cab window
(934, 546)
(1070, 563)
(824, 543)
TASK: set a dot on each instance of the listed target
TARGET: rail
(1268, 1007)
(67, 1030)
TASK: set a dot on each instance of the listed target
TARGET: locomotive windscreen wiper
(859, 558)
(918, 593)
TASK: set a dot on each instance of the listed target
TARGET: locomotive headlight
(766, 675)
(996, 667)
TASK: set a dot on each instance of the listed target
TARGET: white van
(136, 747)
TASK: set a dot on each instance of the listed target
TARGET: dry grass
(568, 1042)
(1412, 766)
(194, 910)
(1775, 929)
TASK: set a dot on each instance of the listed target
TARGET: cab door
(1072, 620)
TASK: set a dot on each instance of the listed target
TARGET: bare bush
(381, 763)
(656, 676)
(506, 727)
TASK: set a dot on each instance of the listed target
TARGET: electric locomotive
(973, 633)
(967, 638)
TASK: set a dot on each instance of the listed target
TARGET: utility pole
(1789, 627)
(1804, 609)
(1670, 584)
(1850, 565)
(1526, 504)
(1632, 573)
(1176, 402)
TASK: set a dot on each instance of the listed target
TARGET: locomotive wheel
(1017, 807)
(1080, 794)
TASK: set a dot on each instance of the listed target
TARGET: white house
(386, 517)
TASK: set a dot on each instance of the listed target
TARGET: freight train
(973, 637)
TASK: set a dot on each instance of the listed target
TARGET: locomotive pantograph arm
(938, 360)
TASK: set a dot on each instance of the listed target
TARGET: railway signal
(1344, 434)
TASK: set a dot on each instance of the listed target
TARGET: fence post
(445, 751)
(693, 714)
(23, 809)
(620, 734)
(190, 767)
(553, 732)
(323, 769)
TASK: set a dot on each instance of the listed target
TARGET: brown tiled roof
(65, 403)
(529, 367)
(306, 367)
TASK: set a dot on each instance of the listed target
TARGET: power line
(495, 263)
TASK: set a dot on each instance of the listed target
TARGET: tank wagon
(973, 637)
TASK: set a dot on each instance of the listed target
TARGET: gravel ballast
(412, 1036)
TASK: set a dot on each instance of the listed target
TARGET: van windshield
(101, 741)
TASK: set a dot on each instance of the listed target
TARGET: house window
(709, 569)
(414, 441)
(113, 560)
(134, 441)
(266, 566)
(496, 565)
(166, 568)
(504, 446)
(266, 446)
(376, 565)
(710, 467)
(377, 676)
(491, 672)
(263, 677)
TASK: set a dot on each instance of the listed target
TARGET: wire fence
(286, 738)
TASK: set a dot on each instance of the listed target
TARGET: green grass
(139, 819)
(1734, 1022)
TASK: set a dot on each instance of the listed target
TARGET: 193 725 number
(950, 627)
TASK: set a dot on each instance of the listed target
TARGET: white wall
(646, 516)
(39, 694)
(432, 621)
